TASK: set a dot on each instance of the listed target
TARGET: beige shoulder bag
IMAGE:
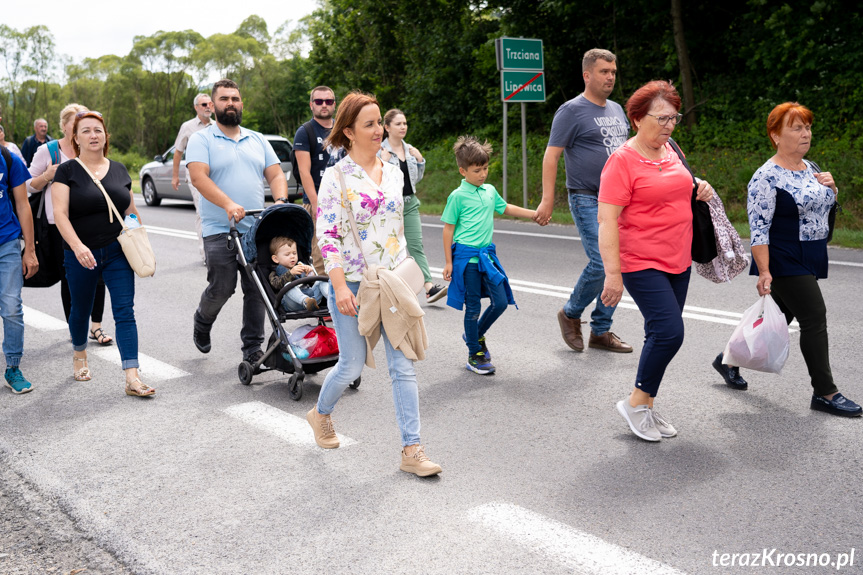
(408, 270)
(134, 241)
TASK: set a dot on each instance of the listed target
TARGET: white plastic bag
(760, 340)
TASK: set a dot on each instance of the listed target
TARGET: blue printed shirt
(10, 229)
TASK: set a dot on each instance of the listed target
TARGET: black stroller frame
(288, 220)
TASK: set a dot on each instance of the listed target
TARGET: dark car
(156, 175)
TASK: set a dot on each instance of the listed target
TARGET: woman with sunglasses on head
(45, 162)
(91, 247)
(645, 238)
(408, 159)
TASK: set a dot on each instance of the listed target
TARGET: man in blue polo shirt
(14, 268)
(225, 163)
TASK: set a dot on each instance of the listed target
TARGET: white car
(156, 175)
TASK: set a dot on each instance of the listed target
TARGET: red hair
(349, 109)
(640, 102)
(792, 111)
(96, 116)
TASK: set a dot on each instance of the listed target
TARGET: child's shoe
(482, 345)
(16, 382)
(311, 304)
(478, 363)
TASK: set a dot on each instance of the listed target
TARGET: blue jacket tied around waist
(488, 264)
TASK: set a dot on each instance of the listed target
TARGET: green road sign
(522, 86)
(519, 54)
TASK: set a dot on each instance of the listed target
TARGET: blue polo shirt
(10, 229)
(237, 167)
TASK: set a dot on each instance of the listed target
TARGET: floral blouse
(377, 210)
(813, 202)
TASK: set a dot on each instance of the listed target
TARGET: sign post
(520, 61)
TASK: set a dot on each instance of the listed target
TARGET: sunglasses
(88, 113)
(321, 102)
(205, 105)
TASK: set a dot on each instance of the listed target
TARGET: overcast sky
(98, 27)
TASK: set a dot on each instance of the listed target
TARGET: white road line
(151, 368)
(172, 232)
(42, 321)
(584, 553)
(280, 424)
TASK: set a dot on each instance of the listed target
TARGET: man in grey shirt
(203, 108)
(586, 130)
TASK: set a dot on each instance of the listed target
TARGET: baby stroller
(254, 257)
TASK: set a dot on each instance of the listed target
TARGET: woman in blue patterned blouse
(789, 203)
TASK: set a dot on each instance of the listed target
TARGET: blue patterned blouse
(788, 211)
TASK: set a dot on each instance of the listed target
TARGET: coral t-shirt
(656, 222)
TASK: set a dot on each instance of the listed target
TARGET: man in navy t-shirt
(14, 268)
(312, 156)
(586, 130)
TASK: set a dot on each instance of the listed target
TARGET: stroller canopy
(288, 220)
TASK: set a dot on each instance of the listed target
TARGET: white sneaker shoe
(662, 425)
(640, 420)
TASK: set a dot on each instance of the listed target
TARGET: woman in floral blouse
(789, 203)
(374, 190)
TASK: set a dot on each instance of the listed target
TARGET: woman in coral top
(645, 238)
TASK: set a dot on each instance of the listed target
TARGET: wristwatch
(285, 200)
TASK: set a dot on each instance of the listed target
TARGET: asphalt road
(541, 475)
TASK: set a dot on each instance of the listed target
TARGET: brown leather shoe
(570, 329)
(609, 342)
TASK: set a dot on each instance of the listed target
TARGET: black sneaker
(435, 293)
(478, 363)
(254, 357)
(202, 340)
(483, 348)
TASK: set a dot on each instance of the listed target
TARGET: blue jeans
(11, 309)
(113, 268)
(475, 283)
(660, 297)
(352, 358)
(295, 298)
(222, 270)
(584, 212)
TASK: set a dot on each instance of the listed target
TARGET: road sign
(519, 54)
(522, 86)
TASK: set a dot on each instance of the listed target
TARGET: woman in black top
(91, 247)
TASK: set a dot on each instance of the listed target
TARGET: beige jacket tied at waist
(384, 298)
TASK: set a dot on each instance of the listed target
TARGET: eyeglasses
(88, 113)
(663, 120)
(321, 102)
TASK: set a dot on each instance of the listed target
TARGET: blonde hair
(69, 111)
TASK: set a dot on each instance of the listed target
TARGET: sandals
(80, 373)
(100, 336)
(138, 388)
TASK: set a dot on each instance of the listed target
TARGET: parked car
(156, 175)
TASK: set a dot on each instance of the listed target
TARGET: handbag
(732, 258)
(134, 241)
(49, 246)
(408, 269)
(703, 235)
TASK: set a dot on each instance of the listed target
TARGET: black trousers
(800, 297)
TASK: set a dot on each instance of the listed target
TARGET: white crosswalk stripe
(285, 426)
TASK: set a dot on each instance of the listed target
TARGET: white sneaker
(662, 425)
(640, 420)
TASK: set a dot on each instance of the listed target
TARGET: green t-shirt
(471, 210)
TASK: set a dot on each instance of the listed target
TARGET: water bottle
(132, 221)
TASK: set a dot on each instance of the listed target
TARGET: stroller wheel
(295, 387)
(245, 372)
(356, 382)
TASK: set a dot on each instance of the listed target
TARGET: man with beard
(586, 129)
(39, 137)
(312, 156)
(226, 163)
(201, 104)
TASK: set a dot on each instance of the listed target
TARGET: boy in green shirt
(472, 267)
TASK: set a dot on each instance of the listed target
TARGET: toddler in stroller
(281, 220)
(283, 251)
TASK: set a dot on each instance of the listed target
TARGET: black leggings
(800, 297)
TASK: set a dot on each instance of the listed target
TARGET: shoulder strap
(7, 156)
(112, 209)
(310, 134)
(350, 212)
(813, 165)
(54, 150)
(680, 155)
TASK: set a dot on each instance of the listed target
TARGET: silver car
(156, 175)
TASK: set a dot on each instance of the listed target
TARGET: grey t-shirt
(588, 134)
